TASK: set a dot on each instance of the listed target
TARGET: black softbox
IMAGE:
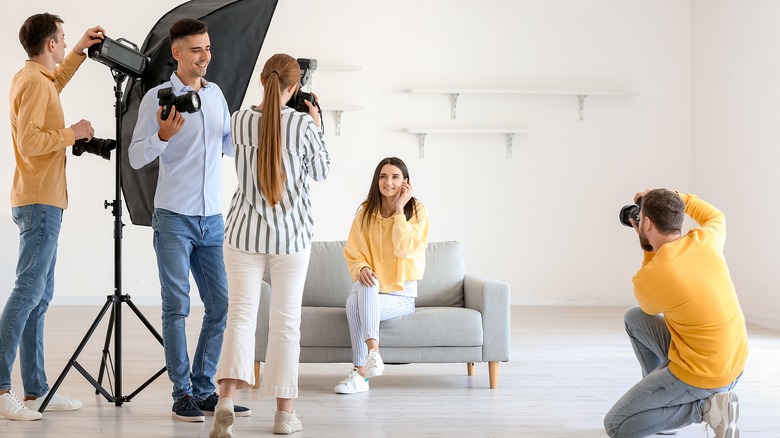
(237, 29)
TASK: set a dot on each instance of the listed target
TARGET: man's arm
(151, 133)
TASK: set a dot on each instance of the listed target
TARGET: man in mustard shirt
(688, 331)
(38, 197)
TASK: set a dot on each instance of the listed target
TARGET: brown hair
(666, 210)
(279, 73)
(36, 31)
(374, 198)
(186, 27)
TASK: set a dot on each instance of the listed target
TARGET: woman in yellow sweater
(385, 253)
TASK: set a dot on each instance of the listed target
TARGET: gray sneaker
(286, 423)
(722, 414)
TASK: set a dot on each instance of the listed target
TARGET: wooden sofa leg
(257, 374)
(493, 371)
(470, 368)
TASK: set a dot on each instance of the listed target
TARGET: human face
(193, 54)
(59, 45)
(390, 180)
(644, 242)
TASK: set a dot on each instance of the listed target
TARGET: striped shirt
(252, 224)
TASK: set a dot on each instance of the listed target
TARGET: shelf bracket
(338, 121)
(581, 98)
(454, 103)
(509, 138)
(422, 144)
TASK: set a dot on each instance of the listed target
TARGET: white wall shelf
(580, 94)
(510, 135)
(339, 110)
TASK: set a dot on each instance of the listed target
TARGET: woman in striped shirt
(269, 224)
(385, 254)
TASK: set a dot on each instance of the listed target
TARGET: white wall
(545, 221)
(736, 122)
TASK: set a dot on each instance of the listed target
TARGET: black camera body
(98, 146)
(298, 100)
(188, 102)
(630, 211)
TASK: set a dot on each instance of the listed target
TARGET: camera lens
(630, 211)
(97, 146)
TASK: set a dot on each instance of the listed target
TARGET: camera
(97, 146)
(297, 101)
(188, 102)
(630, 211)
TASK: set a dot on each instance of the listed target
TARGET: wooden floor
(568, 365)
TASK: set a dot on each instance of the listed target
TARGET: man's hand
(640, 195)
(92, 36)
(169, 127)
(83, 129)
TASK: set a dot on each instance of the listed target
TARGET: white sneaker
(722, 414)
(352, 384)
(374, 365)
(224, 416)
(57, 403)
(286, 423)
(13, 409)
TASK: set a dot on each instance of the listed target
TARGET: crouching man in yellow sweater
(688, 331)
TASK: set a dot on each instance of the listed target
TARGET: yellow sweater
(39, 134)
(393, 248)
(688, 281)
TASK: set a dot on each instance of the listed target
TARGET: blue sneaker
(209, 403)
(185, 409)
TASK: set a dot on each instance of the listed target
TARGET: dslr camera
(188, 102)
(297, 101)
(630, 211)
(98, 146)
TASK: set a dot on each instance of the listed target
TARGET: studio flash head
(121, 55)
(98, 146)
(630, 211)
(188, 102)
(297, 101)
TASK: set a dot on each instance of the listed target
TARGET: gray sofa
(458, 317)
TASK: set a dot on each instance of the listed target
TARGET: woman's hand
(367, 276)
(314, 111)
(403, 197)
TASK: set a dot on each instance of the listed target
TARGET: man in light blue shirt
(187, 219)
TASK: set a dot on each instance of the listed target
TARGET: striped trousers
(366, 307)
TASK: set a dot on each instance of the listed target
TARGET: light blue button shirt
(190, 173)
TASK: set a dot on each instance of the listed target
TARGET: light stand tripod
(115, 300)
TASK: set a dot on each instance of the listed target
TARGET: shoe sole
(200, 419)
(287, 430)
(730, 428)
(373, 372)
(223, 420)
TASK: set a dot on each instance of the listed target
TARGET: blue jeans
(184, 244)
(660, 401)
(21, 323)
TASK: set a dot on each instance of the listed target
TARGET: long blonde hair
(279, 73)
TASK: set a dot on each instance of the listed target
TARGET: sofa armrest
(261, 331)
(491, 299)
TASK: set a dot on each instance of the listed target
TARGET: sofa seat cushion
(428, 327)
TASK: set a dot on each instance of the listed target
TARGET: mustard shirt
(393, 248)
(38, 133)
(689, 282)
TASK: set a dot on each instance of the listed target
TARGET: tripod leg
(76, 354)
(103, 363)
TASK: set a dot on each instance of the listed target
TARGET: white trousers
(366, 307)
(245, 275)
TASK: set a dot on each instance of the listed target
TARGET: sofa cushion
(328, 282)
(442, 282)
(427, 327)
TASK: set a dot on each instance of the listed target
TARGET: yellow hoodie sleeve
(410, 238)
(356, 250)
